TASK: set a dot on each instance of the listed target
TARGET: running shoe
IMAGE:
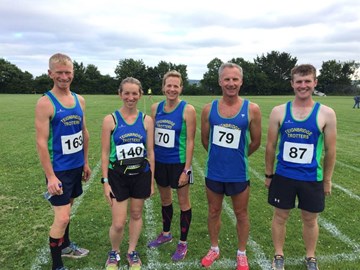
(311, 263)
(242, 263)
(112, 263)
(210, 258)
(278, 263)
(74, 251)
(161, 239)
(180, 252)
(134, 260)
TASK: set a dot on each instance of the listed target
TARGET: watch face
(188, 172)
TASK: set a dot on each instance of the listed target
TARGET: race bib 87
(301, 153)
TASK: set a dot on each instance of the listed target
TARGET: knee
(63, 220)
(136, 215)
(280, 218)
(214, 212)
(242, 215)
(118, 227)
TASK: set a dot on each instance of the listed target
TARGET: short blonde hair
(59, 58)
(172, 73)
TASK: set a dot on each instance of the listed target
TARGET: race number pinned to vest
(301, 153)
(226, 137)
(71, 144)
(165, 137)
(129, 151)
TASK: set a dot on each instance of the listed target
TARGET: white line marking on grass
(334, 231)
(348, 192)
(348, 166)
(150, 233)
(43, 253)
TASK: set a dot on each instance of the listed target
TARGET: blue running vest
(127, 140)
(170, 134)
(300, 147)
(65, 141)
(228, 145)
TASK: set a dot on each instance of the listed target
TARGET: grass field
(25, 216)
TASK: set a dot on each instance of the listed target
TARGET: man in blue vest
(62, 142)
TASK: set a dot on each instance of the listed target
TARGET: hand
(55, 186)
(267, 182)
(107, 192)
(327, 188)
(183, 180)
(86, 173)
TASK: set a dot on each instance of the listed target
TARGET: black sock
(167, 214)
(66, 237)
(185, 220)
(55, 250)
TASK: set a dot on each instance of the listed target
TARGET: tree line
(268, 74)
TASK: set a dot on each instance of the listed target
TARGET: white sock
(241, 253)
(216, 249)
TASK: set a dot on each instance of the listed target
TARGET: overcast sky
(181, 32)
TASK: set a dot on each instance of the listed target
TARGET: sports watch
(187, 172)
(104, 180)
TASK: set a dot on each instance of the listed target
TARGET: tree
(254, 81)
(77, 84)
(13, 80)
(336, 77)
(210, 80)
(277, 67)
(42, 84)
(131, 68)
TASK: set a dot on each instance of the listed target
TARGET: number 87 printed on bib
(300, 153)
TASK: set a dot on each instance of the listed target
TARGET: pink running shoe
(242, 263)
(210, 257)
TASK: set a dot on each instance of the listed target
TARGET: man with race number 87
(303, 127)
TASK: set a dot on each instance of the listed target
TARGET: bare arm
(107, 127)
(87, 170)
(190, 119)
(153, 110)
(43, 112)
(255, 128)
(149, 126)
(271, 143)
(205, 126)
(330, 133)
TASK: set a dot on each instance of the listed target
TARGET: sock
(185, 220)
(66, 237)
(216, 249)
(55, 250)
(241, 253)
(167, 214)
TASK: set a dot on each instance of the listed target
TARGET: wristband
(270, 176)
